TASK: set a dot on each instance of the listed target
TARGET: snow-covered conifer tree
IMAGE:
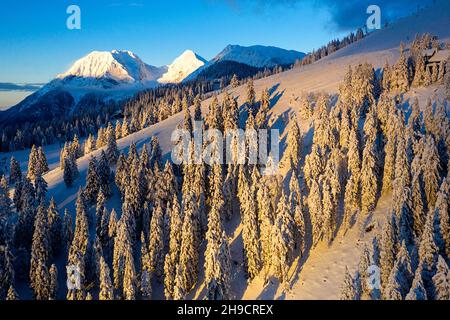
(15, 174)
(441, 280)
(156, 242)
(112, 152)
(106, 287)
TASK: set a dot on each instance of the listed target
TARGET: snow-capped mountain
(182, 67)
(258, 56)
(113, 68)
(119, 74)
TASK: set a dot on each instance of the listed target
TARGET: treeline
(331, 47)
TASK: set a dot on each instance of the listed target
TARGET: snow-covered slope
(182, 67)
(320, 276)
(258, 56)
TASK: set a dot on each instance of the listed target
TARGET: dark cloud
(345, 15)
(8, 86)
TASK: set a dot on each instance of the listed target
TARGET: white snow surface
(320, 274)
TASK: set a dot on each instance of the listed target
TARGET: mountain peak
(119, 65)
(258, 56)
(183, 66)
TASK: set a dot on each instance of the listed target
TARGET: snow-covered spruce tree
(441, 281)
(67, 231)
(234, 81)
(219, 287)
(422, 77)
(145, 275)
(5, 210)
(369, 168)
(390, 153)
(112, 152)
(351, 200)
(447, 84)
(106, 287)
(354, 154)
(32, 163)
(251, 96)
(197, 109)
(15, 174)
(26, 205)
(53, 282)
(283, 240)
(388, 249)
(75, 148)
(250, 227)
(172, 257)
(294, 146)
(428, 254)
(350, 289)
(215, 262)
(216, 198)
(315, 211)
(431, 171)
(40, 185)
(441, 218)
(42, 164)
(12, 294)
(402, 181)
(417, 291)
(122, 244)
(314, 165)
(156, 242)
(213, 233)
(155, 154)
(364, 264)
(405, 220)
(328, 211)
(70, 171)
(229, 191)
(121, 174)
(129, 275)
(297, 209)
(105, 175)
(55, 228)
(135, 194)
(81, 235)
(400, 76)
(40, 250)
(187, 270)
(8, 274)
(187, 122)
(401, 276)
(345, 127)
(132, 154)
(89, 145)
(261, 116)
(92, 181)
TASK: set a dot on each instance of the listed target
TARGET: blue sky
(36, 45)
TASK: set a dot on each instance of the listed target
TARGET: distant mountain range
(118, 74)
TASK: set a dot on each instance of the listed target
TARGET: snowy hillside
(320, 273)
